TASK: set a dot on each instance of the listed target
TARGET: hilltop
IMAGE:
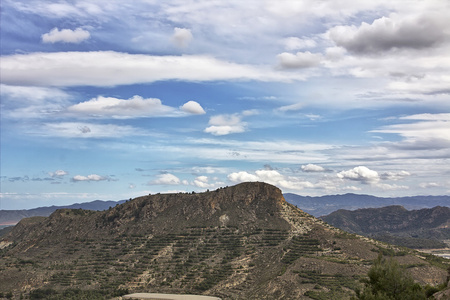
(240, 242)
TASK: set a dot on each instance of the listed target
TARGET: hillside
(324, 205)
(240, 242)
(424, 228)
(12, 217)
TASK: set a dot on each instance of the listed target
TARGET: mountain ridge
(315, 205)
(324, 205)
(396, 224)
(13, 216)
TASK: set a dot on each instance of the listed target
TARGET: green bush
(387, 280)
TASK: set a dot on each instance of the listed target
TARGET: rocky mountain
(317, 206)
(240, 242)
(324, 205)
(12, 217)
(424, 228)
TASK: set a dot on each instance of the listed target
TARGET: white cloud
(428, 117)
(361, 173)
(58, 173)
(193, 107)
(427, 185)
(242, 176)
(312, 168)
(300, 60)
(395, 175)
(430, 132)
(109, 107)
(23, 102)
(166, 179)
(31, 93)
(92, 177)
(393, 32)
(109, 68)
(226, 124)
(203, 182)
(291, 107)
(66, 36)
(182, 37)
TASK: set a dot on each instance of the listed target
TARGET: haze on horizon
(111, 100)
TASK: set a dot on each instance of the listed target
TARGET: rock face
(240, 242)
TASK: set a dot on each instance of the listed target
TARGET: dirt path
(154, 296)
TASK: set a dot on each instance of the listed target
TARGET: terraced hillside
(241, 242)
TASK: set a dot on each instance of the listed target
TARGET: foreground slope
(240, 242)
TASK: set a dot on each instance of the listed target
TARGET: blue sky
(115, 99)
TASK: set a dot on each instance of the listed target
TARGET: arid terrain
(240, 242)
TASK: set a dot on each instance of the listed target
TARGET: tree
(387, 280)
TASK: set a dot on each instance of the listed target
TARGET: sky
(111, 100)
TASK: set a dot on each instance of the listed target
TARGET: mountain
(12, 217)
(422, 228)
(317, 206)
(324, 205)
(240, 242)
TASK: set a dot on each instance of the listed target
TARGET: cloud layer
(109, 68)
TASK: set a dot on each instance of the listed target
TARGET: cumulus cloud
(393, 32)
(110, 107)
(226, 124)
(271, 177)
(300, 60)
(166, 179)
(92, 177)
(182, 37)
(361, 173)
(312, 168)
(193, 107)
(109, 68)
(66, 36)
(203, 182)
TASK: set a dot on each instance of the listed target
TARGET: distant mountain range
(324, 205)
(12, 217)
(424, 228)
